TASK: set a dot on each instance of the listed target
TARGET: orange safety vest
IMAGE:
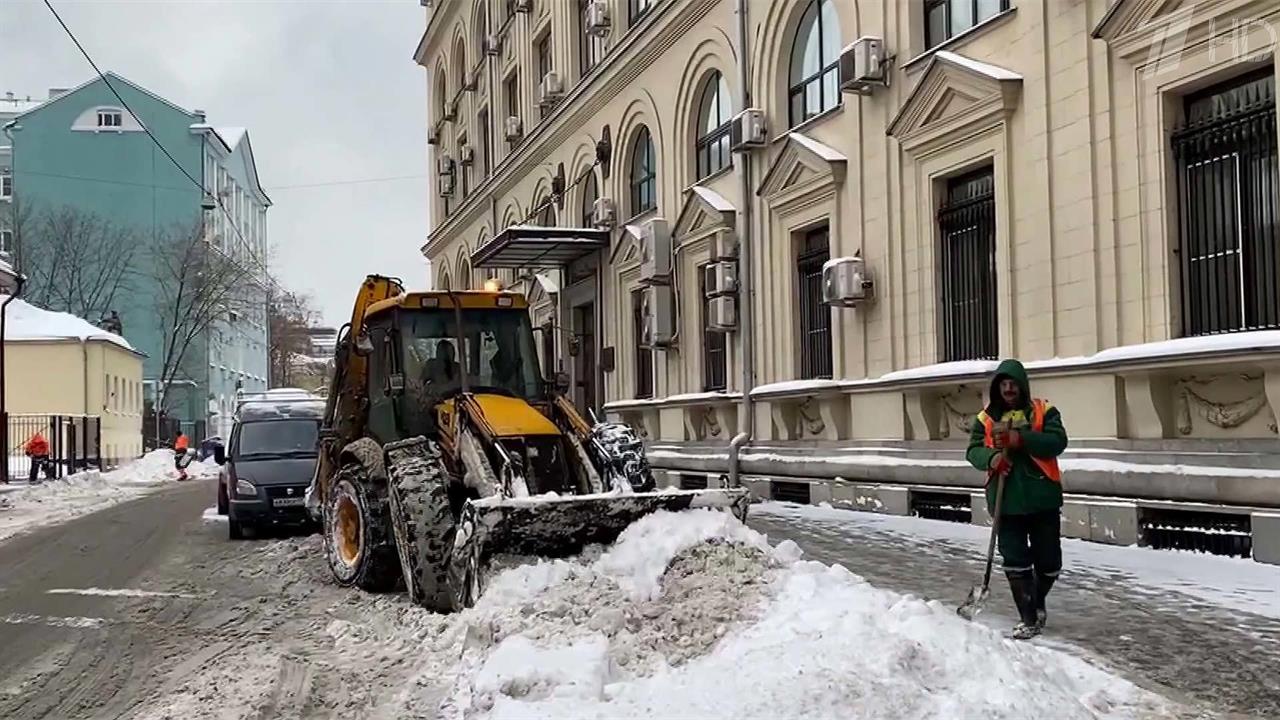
(180, 444)
(1049, 466)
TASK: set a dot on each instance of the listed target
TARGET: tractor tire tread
(423, 524)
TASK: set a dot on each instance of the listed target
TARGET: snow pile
(24, 321)
(51, 501)
(693, 615)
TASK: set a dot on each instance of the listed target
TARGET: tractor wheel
(422, 522)
(357, 532)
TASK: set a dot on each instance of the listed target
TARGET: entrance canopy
(529, 246)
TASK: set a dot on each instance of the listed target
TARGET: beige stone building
(1089, 186)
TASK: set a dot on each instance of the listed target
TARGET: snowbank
(24, 321)
(693, 615)
(23, 506)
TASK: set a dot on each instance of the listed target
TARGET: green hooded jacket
(1026, 489)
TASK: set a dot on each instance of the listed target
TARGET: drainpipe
(746, 325)
(20, 280)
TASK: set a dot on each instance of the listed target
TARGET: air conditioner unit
(722, 313)
(862, 66)
(512, 129)
(604, 213)
(724, 245)
(598, 22)
(720, 278)
(445, 169)
(552, 88)
(655, 251)
(467, 155)
(845, 282)
(657, 311)
(450, 111)
(522, 6)
(492, 45)
(425, 3)
(748, 130)
(433, 135)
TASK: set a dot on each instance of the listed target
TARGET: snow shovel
(978, 593)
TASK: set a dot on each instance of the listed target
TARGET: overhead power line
(199, 185)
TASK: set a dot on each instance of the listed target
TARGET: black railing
(168, 429)
(967, 226)
(815, 317)
(1227, 209)
(73, 443)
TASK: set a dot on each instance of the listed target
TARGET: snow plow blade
(560, 526)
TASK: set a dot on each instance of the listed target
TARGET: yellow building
(59, 364)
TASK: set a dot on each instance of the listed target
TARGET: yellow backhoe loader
(443, 445)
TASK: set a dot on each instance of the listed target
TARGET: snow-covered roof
(994, 72)
(712, 198)
(17, 105)
(231, 135)
(26, 322)
(826, 152)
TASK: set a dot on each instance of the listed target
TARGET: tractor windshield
(498, 352)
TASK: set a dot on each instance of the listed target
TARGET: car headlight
(244, 488)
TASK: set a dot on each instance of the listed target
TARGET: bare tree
(76, 261)
(289, 315)
(197, 286)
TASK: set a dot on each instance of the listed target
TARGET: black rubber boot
(1023, 585)
(1043, 584)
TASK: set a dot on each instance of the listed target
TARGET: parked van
(268, 463)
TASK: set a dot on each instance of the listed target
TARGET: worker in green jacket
(1019, 438)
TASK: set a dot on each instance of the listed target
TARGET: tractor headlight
(244, 488)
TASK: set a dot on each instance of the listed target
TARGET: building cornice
(638, 50)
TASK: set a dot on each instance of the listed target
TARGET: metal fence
(74, 442)
(967, 226)
(1227, 203)
(167, 428)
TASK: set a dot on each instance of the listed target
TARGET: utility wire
(199, 185)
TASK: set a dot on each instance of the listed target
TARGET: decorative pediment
(802, 160)
(1125, 16)
(954, 95)
(627, 249)
(704, 209)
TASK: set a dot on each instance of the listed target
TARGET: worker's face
(1010, 392)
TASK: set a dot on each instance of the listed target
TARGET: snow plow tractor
(443, 446)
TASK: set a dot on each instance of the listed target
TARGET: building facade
(10, 107)
(82, 152)
(1088, 186)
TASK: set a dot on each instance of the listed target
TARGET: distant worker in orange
(37, 451)
(180, 459)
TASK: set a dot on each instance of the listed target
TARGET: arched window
(444, 280)
(644, 174)
(460, 64)
(441, 93)
(715, 117)
(464, 275)
(546, 212)
(815, 62)
(590, 193)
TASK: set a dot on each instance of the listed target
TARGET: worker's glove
(1000, 464)
(1012, 440)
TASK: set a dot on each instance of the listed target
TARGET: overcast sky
(328, 90)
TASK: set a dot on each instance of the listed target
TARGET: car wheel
(235, 530)
(222, 499)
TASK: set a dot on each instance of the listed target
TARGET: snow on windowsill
(679, 399)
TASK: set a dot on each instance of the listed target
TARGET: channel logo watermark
(1249, 40)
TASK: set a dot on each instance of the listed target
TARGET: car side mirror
(219, 455)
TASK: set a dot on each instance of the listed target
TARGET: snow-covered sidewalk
(23, 506)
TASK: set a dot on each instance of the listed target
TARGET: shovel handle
(995, 527)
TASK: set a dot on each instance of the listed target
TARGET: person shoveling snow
(1016, 440)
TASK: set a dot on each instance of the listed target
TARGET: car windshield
(292, 438)
(498, 353)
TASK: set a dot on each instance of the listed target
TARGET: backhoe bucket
(560, 526)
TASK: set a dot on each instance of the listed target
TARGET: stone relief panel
(1222, 406)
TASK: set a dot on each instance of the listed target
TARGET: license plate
(287, 502)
